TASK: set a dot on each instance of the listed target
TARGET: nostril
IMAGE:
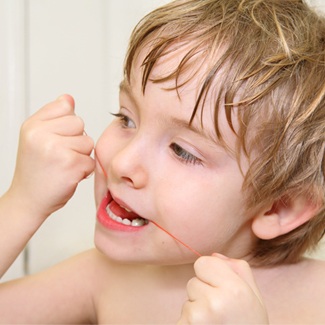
(123, 168)
(127, 180)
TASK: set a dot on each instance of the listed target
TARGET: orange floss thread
(156, 224)
(178, 240)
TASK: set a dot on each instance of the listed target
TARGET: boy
(219, 139)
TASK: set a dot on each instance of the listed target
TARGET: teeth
(138, 222)
(126, 222)
(126, 209)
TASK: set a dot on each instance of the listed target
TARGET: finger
(195, 289)
(244, 271)
(76, 166)
(213, 269)
(56, 145)
(210, 298)
(64, 105)
(42, 139)
(88, 165)
(82, 144)
(68, 98)
(67, 125)
(193, 313)
(210, 269)
(187, 309)
(218, 270)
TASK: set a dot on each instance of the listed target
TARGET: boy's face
(169, 172)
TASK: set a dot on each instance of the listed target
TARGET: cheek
(106, 147)
(100, 187)
(201, 212)
(103, 152)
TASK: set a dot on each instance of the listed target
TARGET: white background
(51, 47)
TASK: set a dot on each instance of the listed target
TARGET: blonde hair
(273, 64)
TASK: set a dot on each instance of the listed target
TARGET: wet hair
(271, 54)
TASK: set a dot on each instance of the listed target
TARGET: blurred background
(52, 47)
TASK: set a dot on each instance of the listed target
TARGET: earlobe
(284, 216)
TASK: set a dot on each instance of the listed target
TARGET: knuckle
(90, 145)
(241, 265)
(191, 283)
(91, 142)
(52, 148)
(215, 307)
(65, 107)
(26, 127)
(89, 170)
(196, 314)
(70, 158)
(79, 123)
(31, 134)
(201, 262)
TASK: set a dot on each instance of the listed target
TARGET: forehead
(168, 73)
(183, 82)
(179, 63)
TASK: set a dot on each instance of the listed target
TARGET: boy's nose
(128, 165)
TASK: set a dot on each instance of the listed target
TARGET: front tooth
(138, 222)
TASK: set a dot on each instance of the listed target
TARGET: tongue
(120, 212)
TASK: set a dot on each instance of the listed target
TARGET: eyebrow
(125, 87)
(185, 125)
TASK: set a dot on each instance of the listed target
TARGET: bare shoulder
(313, 275)
(294, 293)
(86, 260)
(61, 294)
(311, 288)
(90, 265)
(315, 265)
(305, 281)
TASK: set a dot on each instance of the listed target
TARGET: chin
(130, 254)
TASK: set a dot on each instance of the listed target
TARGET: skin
(53, 157)
(145, 276)
(157, 166)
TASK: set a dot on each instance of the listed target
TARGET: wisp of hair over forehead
(271, 55)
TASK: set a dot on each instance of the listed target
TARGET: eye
(184, 155)
(125, 120)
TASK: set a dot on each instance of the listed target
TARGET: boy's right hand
(53, 157)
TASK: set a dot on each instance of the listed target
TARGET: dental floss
(178, 240)
(156, 224)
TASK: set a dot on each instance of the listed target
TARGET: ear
(284, 216)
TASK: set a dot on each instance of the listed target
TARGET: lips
(114, 214)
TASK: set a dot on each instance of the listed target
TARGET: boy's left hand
(223, 292)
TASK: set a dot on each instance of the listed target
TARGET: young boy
(219, 140)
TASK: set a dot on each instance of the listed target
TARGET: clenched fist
(53, 157)
(223, 292)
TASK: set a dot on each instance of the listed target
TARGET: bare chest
(141, 307)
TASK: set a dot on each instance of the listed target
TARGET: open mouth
(113, 214)
(123, 215)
